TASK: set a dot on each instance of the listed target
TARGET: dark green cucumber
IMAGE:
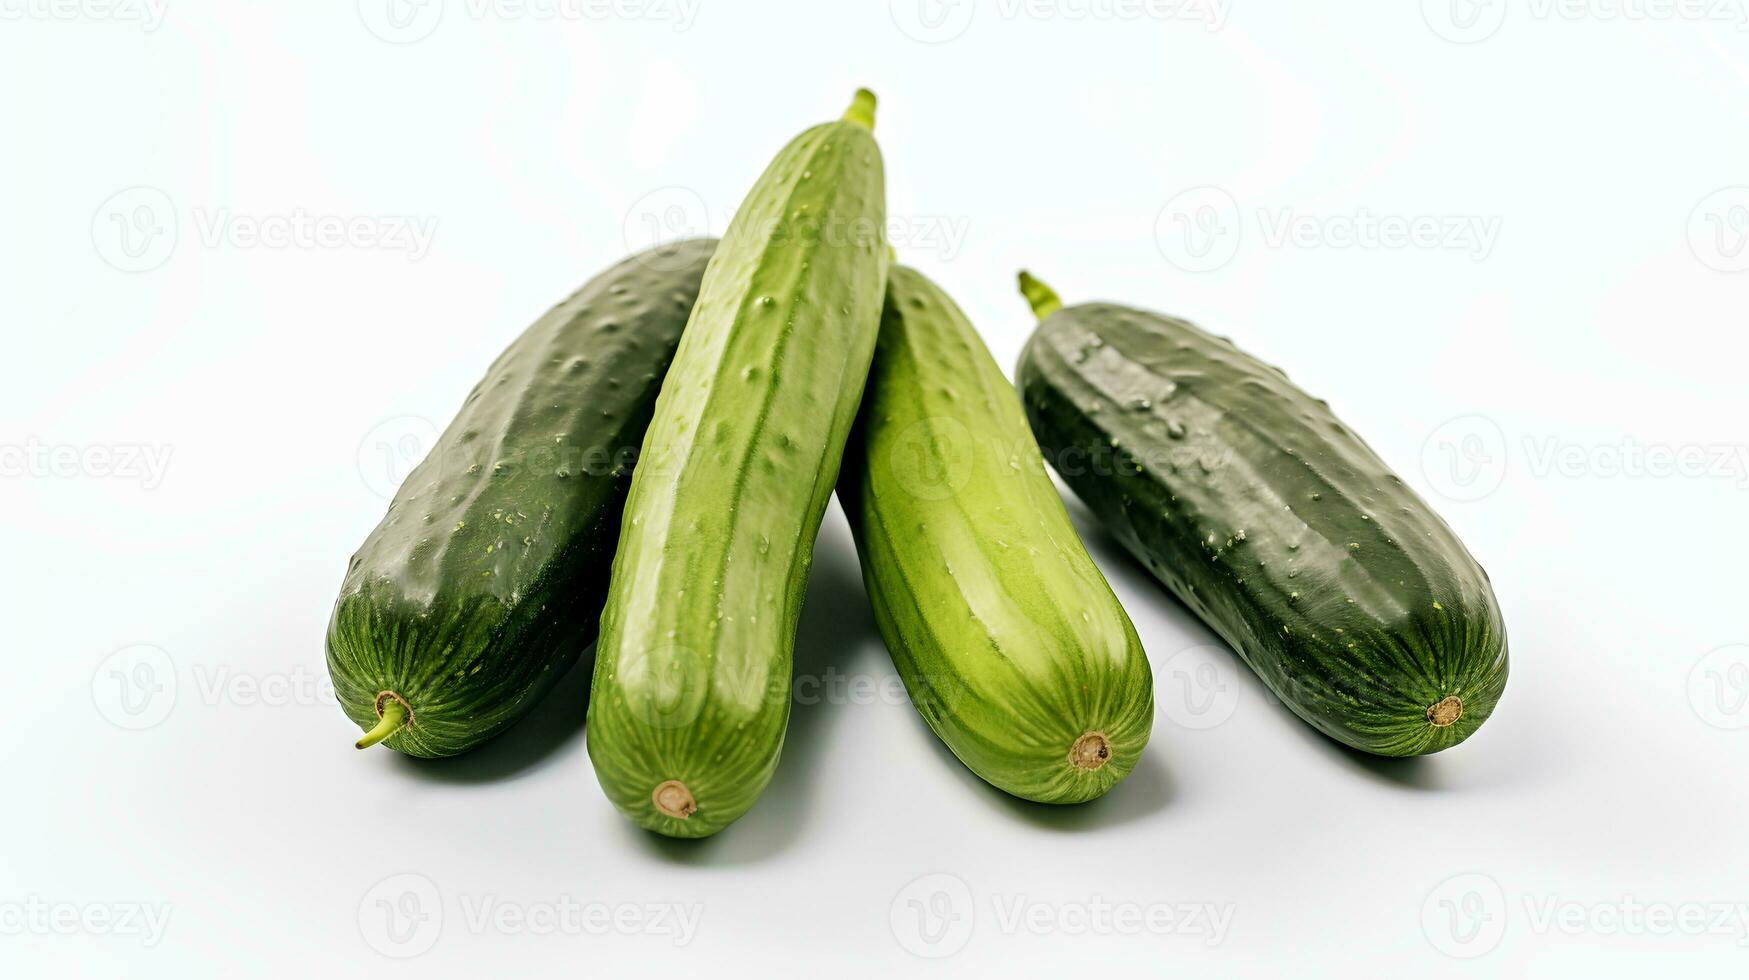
(1010, 643)
(692, 674)
(1270, 519)
(483, 582)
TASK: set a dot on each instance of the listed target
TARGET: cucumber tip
(673, 799)
(1445, 712)
(1091, 751)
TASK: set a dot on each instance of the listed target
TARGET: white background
(203, 416)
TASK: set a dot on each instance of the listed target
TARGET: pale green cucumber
(1010, 643)
(692, 673)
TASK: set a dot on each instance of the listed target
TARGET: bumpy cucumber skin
(1275, 523)
(483, 582)
(1009, 640)
(692, 671)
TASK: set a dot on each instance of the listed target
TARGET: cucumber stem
(862, 109)
(394, 714)
(673, 799)
(1042, 298)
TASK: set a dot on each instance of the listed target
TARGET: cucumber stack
(733, 375)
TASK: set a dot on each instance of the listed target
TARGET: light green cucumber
(692, 674)
(1010, 643)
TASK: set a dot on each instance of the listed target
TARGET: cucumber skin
(1351, 599)
(469, 638)
(693, 668)
(1009, 640)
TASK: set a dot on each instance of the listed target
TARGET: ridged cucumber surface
(1351, 599)
(692, 673)
(483, 582)
(1010, 643)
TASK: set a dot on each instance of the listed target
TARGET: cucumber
(1271, 520)
(692, 673)
(482, 583)
(1010, 643)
